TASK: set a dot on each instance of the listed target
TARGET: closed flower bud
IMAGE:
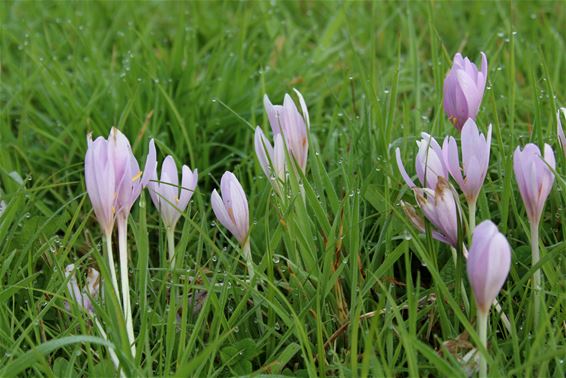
(534, 177)
(232, 208)
(464, 86)
(488, 263)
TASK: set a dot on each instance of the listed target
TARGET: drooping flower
(429, 163)
(170, 199)
(440, 206)
(488, 263)
(464, 87)
(534, 177)
(113, 178)
(286, 120)
(561, 136)
(271, 158)
(475, 159)
(232, 208)
(89, 292)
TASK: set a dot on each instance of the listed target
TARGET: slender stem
(482, 330)
(246, 249)
(171, 246)
(459, 277)
(123, 246)
(471, 218)
(111, 351)
(537, 277)
(108, 239)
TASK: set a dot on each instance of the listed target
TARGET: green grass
(349, 287)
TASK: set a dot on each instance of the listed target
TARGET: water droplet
(276, 259)
(214, 258)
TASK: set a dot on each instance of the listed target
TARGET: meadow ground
(344, 285)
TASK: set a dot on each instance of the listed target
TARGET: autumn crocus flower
(534, 178)
(232, 211)
(561, 136)
(464, 86)
(83, 298)
(429, 163)
(113, 178)
(489, 260)
(286, 120)
(488, 265)
(232, 208)
(114, 182)
(469, 175)
(170, 199)
(271, 158)
(440, 207)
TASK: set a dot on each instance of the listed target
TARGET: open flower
(286, 120)
(534, 177)
(89, 292)
(232, 208)
(464, 86)
(113, 178)
(429, 163)
(488, 263)
(271, 158)
(561, 136)
(440, 207)
(170, 199)
(475, 159)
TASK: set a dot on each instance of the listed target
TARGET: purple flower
(170, 199)
(429, 163)
(488, 264)
(464, 86)
(113, 178)
(561, 136)
(534, 177)
(232, 208)
(441, 209)
(271, 158)
(99, 180)
(286, 120)
(90, 291)
(475, 159)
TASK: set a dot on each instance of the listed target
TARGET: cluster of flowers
(114, 182)
(489, 258)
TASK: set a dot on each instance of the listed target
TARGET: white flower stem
(471, 218)
(108, 239)
(171, 246)
(113, 356)
(123, 246)
(482, 330)
(246, 250)
(537, 277)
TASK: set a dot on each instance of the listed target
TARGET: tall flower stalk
(534, 176)
(114, 182)
(488, 265)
